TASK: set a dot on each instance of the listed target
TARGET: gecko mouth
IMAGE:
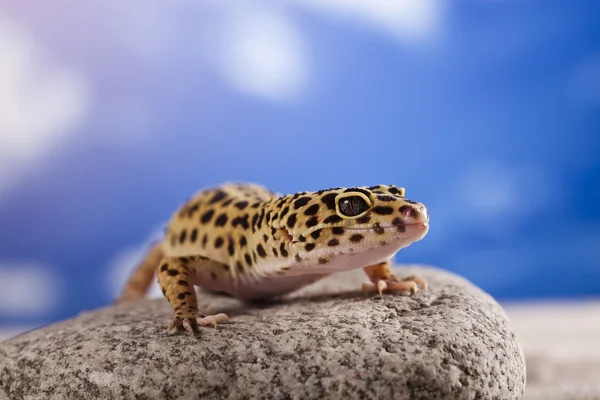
(399, 227)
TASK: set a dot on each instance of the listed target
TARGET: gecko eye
(352, 206)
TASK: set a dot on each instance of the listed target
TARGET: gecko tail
(142, 276)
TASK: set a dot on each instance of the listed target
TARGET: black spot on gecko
(312, 222)
(291, 221)
(386, 198)
(207, 216)
(261, 251)
(230, 247)
(284, 212)
(383, 210)
(248, 259)
(181, 282)
(239, 266)
(275, 252)
(333, 242)
(332, 219)
(337, 230)
(329, 200)
(182, 236)
(213, 276)
(316, 234)
(312, 210)
(357, 237)
(181, 296)
(309, 246)
(243, 241)
(194, 235)
(282, 250)
(219, 195)
(301, 202)
(241, 204)
(221, 220)
(164, 267)
(241, 221)
(260, 218)
(219, 242)
(173, 272)
(298, 258)
(227, 202)
(323, 260)
(378, 229)
(204, 240)
(364, 219)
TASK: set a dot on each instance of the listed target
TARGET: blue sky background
(111, 115)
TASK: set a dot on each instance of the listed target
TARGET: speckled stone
(326, 341)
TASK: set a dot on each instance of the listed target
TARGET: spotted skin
(247, 241)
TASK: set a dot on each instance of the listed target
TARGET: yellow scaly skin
(247, 241)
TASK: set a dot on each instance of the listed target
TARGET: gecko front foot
(393, 284)
(191, 321)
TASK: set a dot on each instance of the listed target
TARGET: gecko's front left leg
(174, 278)
(383, 280)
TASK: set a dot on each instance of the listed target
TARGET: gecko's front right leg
(174, 278)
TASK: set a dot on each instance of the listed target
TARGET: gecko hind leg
(174, 278)
(382, 279)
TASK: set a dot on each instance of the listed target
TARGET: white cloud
(263, 54)
(126, 121)
(498, 191)
(28, 289)
(40, 102)
(494, 198)
(407, 20)
(125, 261)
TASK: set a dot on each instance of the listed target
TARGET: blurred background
(112, 113)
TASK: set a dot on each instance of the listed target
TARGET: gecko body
(247, 241)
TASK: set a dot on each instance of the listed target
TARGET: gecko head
(374, 221)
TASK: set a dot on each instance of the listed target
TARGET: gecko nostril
(406, 211)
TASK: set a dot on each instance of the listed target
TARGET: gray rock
(326, 341)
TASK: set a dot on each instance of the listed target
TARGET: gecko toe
(187, 322)
(410, 285)
(381, 287)
(212, 319)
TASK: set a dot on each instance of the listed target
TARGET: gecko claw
(188, 323)
(188, 327)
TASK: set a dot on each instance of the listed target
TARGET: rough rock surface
(326, 341)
